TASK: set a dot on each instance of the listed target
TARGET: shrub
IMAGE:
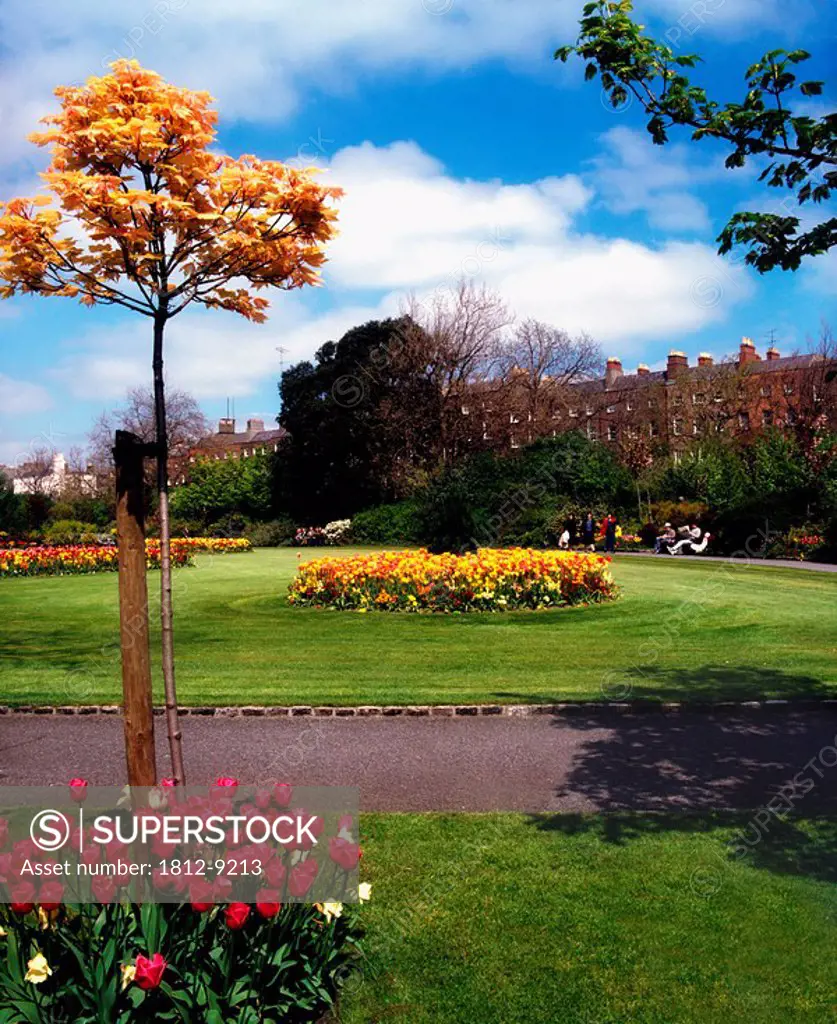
(273, 534)
(387, 524)
(679, 513)
(487, 580)
(70, 531)
(338, 532)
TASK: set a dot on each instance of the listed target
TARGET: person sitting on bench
(693, 542)
(665, 540)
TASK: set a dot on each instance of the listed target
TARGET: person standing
(609, 530)
(588, 532)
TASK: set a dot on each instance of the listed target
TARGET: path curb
(439, 710)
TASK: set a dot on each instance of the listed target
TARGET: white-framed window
(765, 391)
(677, 427)
(612, 432)
(629, 405)
(744, 420)
(611, 409)
(573, 413)
(696, 427)
(788, 389)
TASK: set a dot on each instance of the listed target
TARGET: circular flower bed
(487, 581)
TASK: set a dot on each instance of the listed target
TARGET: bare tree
(456, 336)
(537, 364)
(185, 425)
(35, 475)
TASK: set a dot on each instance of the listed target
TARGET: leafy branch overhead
(800, 150)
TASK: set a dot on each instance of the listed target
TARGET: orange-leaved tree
(144, 214)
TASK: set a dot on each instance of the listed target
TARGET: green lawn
(692, 630)
(501, 919)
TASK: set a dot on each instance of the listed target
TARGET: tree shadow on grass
(767, 775)
(702, 683)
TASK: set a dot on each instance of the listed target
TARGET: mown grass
(681, 630)
(504, 919)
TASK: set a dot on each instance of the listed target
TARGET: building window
(677, 427)
(767, 417)
(650, 403)
(466, 411)
(791, 417)
(698, 398)
(677, 399)
(513, 418)
(612, 432)
(788, 389)
(765, 391)
(573, 413)
(629, 405)
(744, 420)
(611, 409)
(591, 430)
(696, 427)
(653, 430)
(589, 410)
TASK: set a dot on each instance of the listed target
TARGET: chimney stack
(642, 370)
(677, 361)
(705, 359)
(773, 353)
(747, 352)
(255, 426)
(226, 426)
(613, 372)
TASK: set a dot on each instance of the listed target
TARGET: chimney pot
(747, 352)
(226, 426)
(255, 426)
(677, 361)
(705, 359)
(613, 372)
(642, 370)
(773, 353)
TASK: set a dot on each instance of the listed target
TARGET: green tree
(223, 487)
(12, 508)
(801, 150)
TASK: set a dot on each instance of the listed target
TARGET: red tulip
(201, 895)
(267, 902)
(302, 878)
(51, 895)
(282, 793)
(78, 790)
(149, 972)
(344, 853)
(236, 916)
(22, 897)
(275, 873)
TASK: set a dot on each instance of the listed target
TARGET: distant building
(228, 443)
(49, 474)
(671, 407)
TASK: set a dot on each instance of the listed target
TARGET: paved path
(776, 563)
(604, 761)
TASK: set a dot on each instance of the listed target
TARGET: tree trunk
(166, 630)
(133, 612)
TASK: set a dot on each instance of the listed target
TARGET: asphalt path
(605, 760)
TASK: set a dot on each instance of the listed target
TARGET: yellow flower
(364, 892)
(39, 969)
(330, 910)
(128, 972)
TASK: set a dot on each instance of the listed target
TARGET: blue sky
(464, 150)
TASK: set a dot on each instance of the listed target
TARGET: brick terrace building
(666, 407)
(227, 443)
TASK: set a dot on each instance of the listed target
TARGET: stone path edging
(436, 710)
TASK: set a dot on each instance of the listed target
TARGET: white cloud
(633, 175)
(408, 225)
(20, 397)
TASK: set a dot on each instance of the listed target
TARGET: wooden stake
(128, 454)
